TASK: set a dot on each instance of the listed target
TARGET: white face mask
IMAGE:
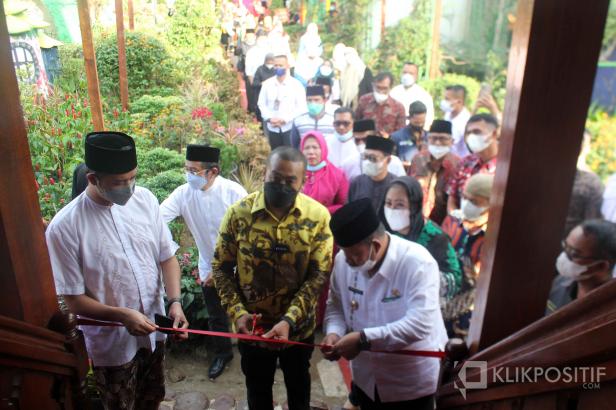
(361, 148)
(326, 71)
(269, 66)
(446, 106)
(407, 80)
(569, 269)
(398, 219)
(370, 168)
(471, 211)
(366, 266)
(380, 98)
(477, 142)
(438, 151)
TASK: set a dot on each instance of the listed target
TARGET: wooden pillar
(26, 283)
(89, 57)
(121, 54)
(383, 18)
(131, 16)
(552, 65)
(435, 53)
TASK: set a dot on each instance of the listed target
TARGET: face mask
(416, 128)
(278, 195)
(280, 72)
(368, 265)
(326, 71)
(398, 219)
(315, 109)
(361, 148)
(408, 80)
(477, 143)
(380, 98)
(569, 269)
(344, 137)
(315, 168)
(471, 211)
(196, 181)
(119, 196)
(269, 66)
(438, 151)
(371, 169)
(446, 106)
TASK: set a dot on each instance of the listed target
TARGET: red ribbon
(82, 321)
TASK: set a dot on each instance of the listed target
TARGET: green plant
(193, 302)
(153, 104)
(157, 160)
(71, 78)
(163, 184)
(436, 87)
(148, 64)
(602, 156)
(194, 28)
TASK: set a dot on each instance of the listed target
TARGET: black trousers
(364, 402)
(217, 322)
(276, 139)
(259, 366)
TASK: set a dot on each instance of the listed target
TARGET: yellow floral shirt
(274, 267)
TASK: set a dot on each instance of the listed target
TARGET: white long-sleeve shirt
(406, 96)
(203, 211)
(458, 127)
(398, 308)
(286, 100)
(112, 254)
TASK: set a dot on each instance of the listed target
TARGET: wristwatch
(364, 343)
(172, 301)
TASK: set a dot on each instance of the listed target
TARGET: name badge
(395, 295)
(356, 291)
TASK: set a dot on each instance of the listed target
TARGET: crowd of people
(369, 225)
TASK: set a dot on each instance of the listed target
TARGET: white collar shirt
(407, 96)
(113, 254)
(202, 212)
(286, 100)
(398, 308)
(458, 127)
(338, 151)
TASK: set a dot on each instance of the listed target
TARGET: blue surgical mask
(344, 137)
(315, 109)
(196, 182)
(315, 168)
(280, 72)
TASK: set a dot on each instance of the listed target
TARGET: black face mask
(278, 195)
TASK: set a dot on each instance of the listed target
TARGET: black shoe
(218, 366)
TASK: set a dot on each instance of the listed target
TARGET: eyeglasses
(342, 123)
(440, 140)
(573, 253)
(194, 172)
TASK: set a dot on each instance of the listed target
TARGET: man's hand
(276, 122)
(209, 282)
(137, 323)
(279, 331)
(179, 320)
(243, 324)
(330, 340)
(348, 346)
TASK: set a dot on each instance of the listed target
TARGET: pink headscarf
(328, 185)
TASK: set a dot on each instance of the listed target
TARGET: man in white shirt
(111, 253)
(316, 119)
(351, 165)
(453, 105)
(341, 144)
(282, 98)
(409, 91)
(384, 295)
(202, 202)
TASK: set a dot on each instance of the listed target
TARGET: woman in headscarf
(308, 64)
(310, 39)
(355, 76)
(401, 214)
(324, 182)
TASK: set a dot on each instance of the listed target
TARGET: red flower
(62, 200)
(201, 112)
(115, 113)
(67, 112)
(36, 184)
(52, 181)
(37, 167)
(59, 174)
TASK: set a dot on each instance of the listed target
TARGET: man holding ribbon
(384, 295)
(111, 253)
(272, 259)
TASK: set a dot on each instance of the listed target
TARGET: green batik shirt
(274, 267)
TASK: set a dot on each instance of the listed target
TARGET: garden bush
(158, 160)
(436, 88)
(153, 104)
(149, 65)
(163, 184)
(602, 156)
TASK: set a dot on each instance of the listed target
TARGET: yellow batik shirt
(274, 267)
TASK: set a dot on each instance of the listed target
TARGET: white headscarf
(351, 76)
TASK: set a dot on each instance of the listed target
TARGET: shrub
(602, 156)
(158, 160)
(193, 302)
(436, 88)
(71, 78)
(163, 184)
(153, 104)
(148, 63)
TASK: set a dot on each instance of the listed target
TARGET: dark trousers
(277, 139)
(259, 366)
(217, 322)
(366, 403)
